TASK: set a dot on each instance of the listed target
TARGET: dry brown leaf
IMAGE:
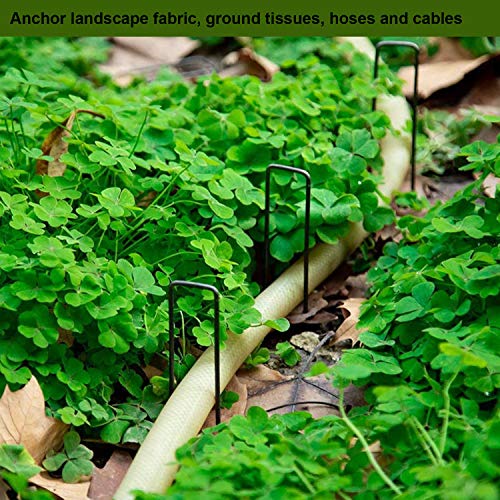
(434, 76)
(65, 337)
(489, 185)
(132, 56)
(65, 491)
(23, 421)
(152, 371)
(375, 447)
(486, 134)
(334, 286)
(447, 187)
(261, 381)
(422, 184)
(357, 286)
(146, 199)
(348, 333)
(485, 91)
(322, 318)
(238, 408)
(55, 145)
(316, 302)
(376, 450)
(258, 377)
(124, 64)
(105, 481)
(4, 488)
(167, 49)
(388, 233)
(270, 389)
(449, 49)
(246, 62)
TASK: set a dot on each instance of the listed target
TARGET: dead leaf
(258, 378)
(322, 318)
(348, 333)
(105, 481)
(146, 199)
(277, 393)
(485, 88)
(486, 134)
(152, 371)
(357, 286)
(422, 183)
(124, 64)
(316, 302)
(4, 488)
(246, 62)
(65, 337)
(388, 233)
(66, 491)
(449, 49)
(131, 56)
(23, 421)
(238, 408)
(434, 76)
(489, 184)
(157, 366)
(55, 145)
(448, 185)
(167, 49)
(457, 83)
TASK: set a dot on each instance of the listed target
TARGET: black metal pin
(171, 298)
(267, 209)
(416, 49)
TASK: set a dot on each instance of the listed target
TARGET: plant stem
(139, 134)
(446, 416)
(11, 140)
(426, 441)
(387, 480)
(304, 479)
(91, 228)
(126, 249)
(182, 252)
(100, 240)
(116, 246)
(21, 127)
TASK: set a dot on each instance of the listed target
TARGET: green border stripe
(258, 18)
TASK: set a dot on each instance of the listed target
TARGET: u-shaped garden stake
(171, 299)
(416, 49)
(267, 209)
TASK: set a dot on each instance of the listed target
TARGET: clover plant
(163, 181)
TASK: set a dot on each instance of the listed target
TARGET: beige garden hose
(153, 468)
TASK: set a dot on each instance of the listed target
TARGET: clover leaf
(74, 460)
